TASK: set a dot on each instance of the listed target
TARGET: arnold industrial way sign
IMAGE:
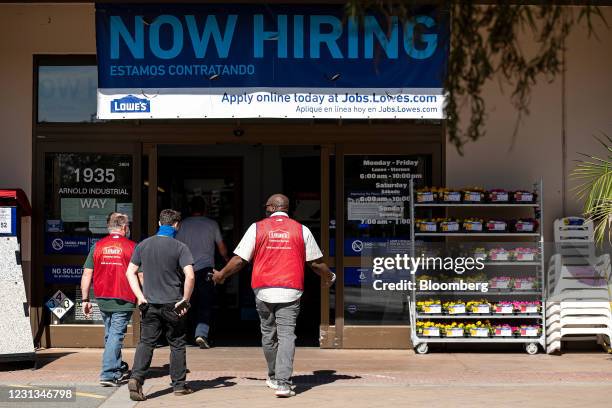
(250, 61)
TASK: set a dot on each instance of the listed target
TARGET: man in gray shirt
(167, 267)
(201, 234)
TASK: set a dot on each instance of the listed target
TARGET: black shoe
(202, 342)
(115, 382)
(185, 390)
(124, 367)
(135, 388)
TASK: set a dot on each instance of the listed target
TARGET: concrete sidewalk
(234, 377)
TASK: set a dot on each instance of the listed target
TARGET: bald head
(277, 202)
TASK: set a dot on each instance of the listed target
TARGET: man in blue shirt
(201, 235)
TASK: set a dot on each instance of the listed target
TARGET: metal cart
(420, 342)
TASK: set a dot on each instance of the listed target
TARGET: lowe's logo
(130, 104)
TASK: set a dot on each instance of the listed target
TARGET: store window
(67, 93)
(377, 220)
(81, 190)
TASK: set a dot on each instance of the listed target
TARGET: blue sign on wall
(200, 49)
(63, 273)
(72, 245)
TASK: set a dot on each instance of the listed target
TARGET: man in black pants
(168, 280)
(201, 235)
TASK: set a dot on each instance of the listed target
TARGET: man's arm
(189, 282)
(85, 285)
(132, 277)
(223, 250)
(320, 268)
(233, 266)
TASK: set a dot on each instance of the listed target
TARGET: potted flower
(498, 196)
(496, 226)
(499, 254)
(450, 196)
(428, 329)
(528, 283)
(525, 254)
(479, 252)
(500, 282)
(426, 195)
(449, 225)
(527, 306)
(502, 330)
(426, 225)
(473, 224)
(454, 307)
(473, 194)
(525, 225)
(527, 330)
(478, 307)
(504, 308)
(478, 329)
(522, 196)
(429, 306)
(454, 329)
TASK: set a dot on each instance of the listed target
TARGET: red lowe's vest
(280, 254)
(111, 258)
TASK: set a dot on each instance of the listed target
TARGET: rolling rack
(420, 342)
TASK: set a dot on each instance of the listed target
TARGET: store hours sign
(274, 61)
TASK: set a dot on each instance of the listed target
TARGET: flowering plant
(478, 329)
(454, 307)
(478, 306)
(502, 330)
(527, 306)
(426, 306)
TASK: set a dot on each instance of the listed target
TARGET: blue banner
(63, 274)
(268, 61)
(71, 245)
(237, 45)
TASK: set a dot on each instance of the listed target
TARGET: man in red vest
(106, 264)
(278, 247)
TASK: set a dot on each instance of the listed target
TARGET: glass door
(372, 216)
(77, 189)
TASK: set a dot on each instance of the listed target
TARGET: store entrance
(235, 181)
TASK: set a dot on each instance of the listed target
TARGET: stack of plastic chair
(578, 302)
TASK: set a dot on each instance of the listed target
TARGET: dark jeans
(203, 302)
(155, 320)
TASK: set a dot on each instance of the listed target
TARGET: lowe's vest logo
(278, 234)
(130, 104)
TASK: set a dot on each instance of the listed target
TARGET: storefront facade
(76, 169)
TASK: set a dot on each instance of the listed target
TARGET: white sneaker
(284, 391)
(271, 383)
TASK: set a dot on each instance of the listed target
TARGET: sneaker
(115, 382)
(135, 388)
(202, 342)
(284, 391)
(124, 368)
(185, 390)
(125, 375)
(272, 383)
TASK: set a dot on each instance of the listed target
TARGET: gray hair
(117, 221)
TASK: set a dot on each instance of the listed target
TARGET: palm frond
(595, 188)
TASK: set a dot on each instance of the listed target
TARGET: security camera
(238, 132)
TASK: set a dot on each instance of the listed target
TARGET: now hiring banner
(279, 61)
